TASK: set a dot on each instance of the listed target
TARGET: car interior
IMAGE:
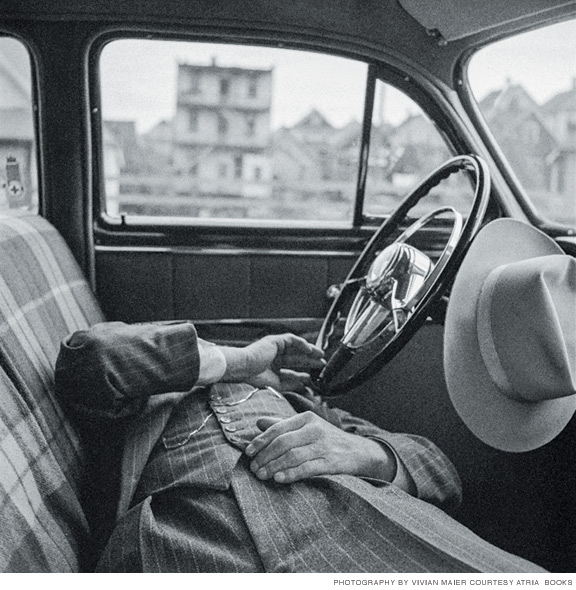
(139, 184)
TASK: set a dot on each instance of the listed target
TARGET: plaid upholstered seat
(43, 297)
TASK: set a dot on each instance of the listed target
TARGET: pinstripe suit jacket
(193, 438)
(117, 371)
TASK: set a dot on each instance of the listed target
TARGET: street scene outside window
(225, 132)
(530, 108)
(18, 176)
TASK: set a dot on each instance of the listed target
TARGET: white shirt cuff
(212, 363)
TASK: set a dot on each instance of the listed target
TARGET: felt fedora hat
(510, 337)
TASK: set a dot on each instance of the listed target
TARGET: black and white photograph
(288, 287)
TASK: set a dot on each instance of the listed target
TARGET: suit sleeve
(435, 477)
(111, 369)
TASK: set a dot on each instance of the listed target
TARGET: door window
(525, 87)
(202, 130)
(230, 134)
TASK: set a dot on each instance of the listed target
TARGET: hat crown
(509, 350)
(526, 325)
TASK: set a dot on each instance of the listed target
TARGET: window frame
(173, 231)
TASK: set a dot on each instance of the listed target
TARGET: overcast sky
(139, 80)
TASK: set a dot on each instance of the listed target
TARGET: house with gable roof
(523, 133)
(560, 115)
(539, 143)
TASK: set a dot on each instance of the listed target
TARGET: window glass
(406, 146)
(215, 132)
(18, 176)
(526, 90)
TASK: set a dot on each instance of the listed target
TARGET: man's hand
(280, 361)
(306, 445)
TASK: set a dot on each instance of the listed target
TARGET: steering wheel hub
(399, 267)
(392, 285)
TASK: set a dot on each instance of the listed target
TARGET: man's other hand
(306, 445)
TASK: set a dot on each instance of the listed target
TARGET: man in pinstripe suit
(225, 469)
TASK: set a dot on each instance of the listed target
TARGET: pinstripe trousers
(198, 508)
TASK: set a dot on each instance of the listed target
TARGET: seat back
(43, 297)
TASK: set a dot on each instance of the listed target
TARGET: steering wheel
(391, 290)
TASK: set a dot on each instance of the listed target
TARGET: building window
(194, 83)
(238, 166)
(222, 125)
(193, 121)
(224, 87)
(222, 170)
(252, 87)
(250, 127)
(257, 173)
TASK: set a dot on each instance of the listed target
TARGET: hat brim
(495, 419)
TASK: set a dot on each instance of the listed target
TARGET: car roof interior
(435, 34)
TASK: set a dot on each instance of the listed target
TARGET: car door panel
(146, 284)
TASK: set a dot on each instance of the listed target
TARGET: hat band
(486, 337)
